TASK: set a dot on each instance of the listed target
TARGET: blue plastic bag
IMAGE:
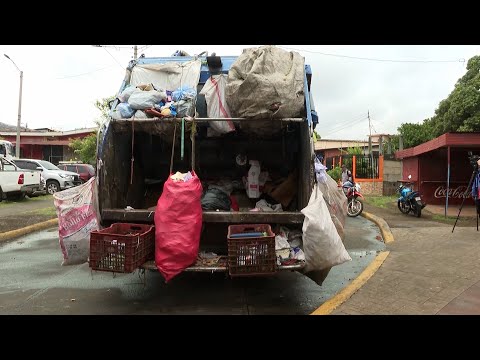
(125, 110)
(184, 93)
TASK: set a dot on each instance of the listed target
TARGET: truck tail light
(21, 178)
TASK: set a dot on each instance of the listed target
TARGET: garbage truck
(145, 141)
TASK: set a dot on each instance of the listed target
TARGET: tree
(460, 111)
(415, 134)
(86, 148)
(354, 150)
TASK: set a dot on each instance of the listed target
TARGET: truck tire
(52, 186)
(1, 194)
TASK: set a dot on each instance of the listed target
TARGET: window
(71, 168)
(47, 165)
(21, 164)
(30, 165)
(9, 167)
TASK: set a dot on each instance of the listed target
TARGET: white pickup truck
(15, 182)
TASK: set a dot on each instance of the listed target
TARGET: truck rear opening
(281, 155)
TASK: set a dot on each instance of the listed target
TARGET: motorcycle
(354, 204)
(410, 200)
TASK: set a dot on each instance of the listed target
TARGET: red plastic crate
(251, 256)
(121, 247)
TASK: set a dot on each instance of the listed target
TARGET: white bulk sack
(214, 91)
(322, 245)
(77, 217)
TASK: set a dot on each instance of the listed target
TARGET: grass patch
(50, 211)
(42, 197)
(381, 201)
(26, 199)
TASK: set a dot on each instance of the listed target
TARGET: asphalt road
(34, 282)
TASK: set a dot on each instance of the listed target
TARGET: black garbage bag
(216, 199)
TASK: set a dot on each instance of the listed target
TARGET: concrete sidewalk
(467, 210)
(430, 270)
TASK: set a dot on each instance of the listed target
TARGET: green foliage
(335, 173)
(104, 108)
(460, 111)
(415, 134)
(393, 142)
(355, 150)
(86, 148)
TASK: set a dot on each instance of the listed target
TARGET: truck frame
(128, 189)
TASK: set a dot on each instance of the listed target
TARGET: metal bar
(143, 215)
(150, 265)
(156, 119)
(307, 98)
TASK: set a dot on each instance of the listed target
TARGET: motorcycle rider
(347, 178)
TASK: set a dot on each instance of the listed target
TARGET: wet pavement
(34, 282)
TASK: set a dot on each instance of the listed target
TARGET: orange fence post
(354, 167)
(380, 168)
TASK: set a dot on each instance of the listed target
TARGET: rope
(133, 158)
(182, 143)
(192, 138)
(173, 148)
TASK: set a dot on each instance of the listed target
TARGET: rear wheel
(418, 211)
(1, 195)
(403, 207)
(354, 207)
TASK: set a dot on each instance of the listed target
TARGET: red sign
(458, 192)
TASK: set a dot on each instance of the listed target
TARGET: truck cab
(6, 150)
(134, 157)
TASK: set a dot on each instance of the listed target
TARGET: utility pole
(135, 49)
(370, 137)
(370, 147)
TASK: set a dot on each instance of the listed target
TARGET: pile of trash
(289, 246)
(149, 101)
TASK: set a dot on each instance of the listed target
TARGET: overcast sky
(61, 83)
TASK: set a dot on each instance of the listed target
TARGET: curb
(382, 224)
(28, 229)
(328, 306)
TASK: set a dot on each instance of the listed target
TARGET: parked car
(15, 183)
(86, 171)
(55, 178)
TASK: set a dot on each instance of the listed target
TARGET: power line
(113, 57)
(461, 60)
(345, 127)
(90, 72)
(342, 124)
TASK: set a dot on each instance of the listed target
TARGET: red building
(46, 144)
(440, 168)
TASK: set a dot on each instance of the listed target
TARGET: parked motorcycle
(354, 204)
(410, 200)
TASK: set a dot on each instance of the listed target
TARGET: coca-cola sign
(456, 192)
